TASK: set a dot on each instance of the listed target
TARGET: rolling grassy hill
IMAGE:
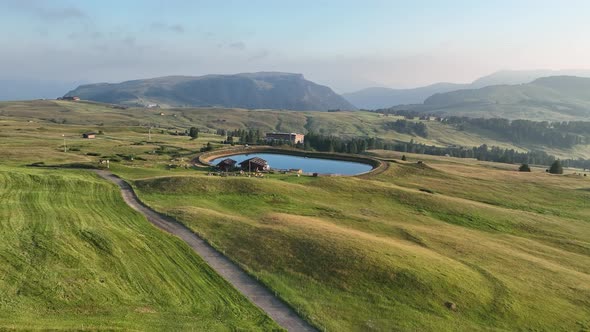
(252, 90)
(551, 98)
(507, 250)
(379, 97)
(488, 248)
(47, 118)
(374, 98)
(73, 255)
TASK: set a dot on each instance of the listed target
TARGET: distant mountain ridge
(272, 90)
(553, 98)
(375, 98)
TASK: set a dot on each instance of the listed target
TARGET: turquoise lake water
(307, 164)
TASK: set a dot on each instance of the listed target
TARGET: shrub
(524, 168)
(556, 167)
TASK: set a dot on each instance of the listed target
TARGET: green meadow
(95, 117)
(446, 244)
(378, 253)
(73, 255)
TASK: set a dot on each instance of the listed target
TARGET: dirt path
(252, 289)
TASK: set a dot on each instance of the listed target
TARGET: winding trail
(248, 286)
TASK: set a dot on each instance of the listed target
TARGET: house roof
(227, 161)
(255, 160)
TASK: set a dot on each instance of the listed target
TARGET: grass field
(510, 250)
(74, 256)
(92, 116)
(380, 252)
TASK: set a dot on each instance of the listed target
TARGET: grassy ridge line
(73, 255)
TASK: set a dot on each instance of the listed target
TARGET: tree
(194, 132)
(524, 168)
(556, 167)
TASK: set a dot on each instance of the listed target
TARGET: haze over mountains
(378, 97)
(506, 94)
(27, 89)
(549, 98)
(265, 90)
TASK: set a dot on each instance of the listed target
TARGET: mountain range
(263, 90)
(548, 98)
(506, 94)
(378, 97)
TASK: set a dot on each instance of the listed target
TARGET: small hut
(255, 165)
(226, 165)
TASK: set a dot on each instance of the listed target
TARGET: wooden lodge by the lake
(226, 165)
(255, 164)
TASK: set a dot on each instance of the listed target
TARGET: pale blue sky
(344, 44)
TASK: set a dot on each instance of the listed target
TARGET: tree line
(328, 143)
(565, 134)
(483, 152)
(408, 127)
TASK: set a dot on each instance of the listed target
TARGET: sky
(347, 45)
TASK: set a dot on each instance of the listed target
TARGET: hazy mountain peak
(245, 90)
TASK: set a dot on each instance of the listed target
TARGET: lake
(307, 164)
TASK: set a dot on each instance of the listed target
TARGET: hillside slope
(254, 90)
(375, 98)
(383, 255)
(93, 116)
(551, 98)
(74, 256)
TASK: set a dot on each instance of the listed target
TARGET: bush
(556, 167)
(524, 168)
(426, 190)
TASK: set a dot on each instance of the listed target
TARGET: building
(226, 165)
(89, 135)
(255, 165)
(290, 137)
(74, 98)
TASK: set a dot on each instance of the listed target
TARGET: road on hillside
(250, 287)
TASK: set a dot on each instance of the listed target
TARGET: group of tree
(553, 134)
(482, 152)
(564, 134)
(325, 143)
(329, 143)
(556, 168)
(249, 136)
(408, 127)
(193, 132)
